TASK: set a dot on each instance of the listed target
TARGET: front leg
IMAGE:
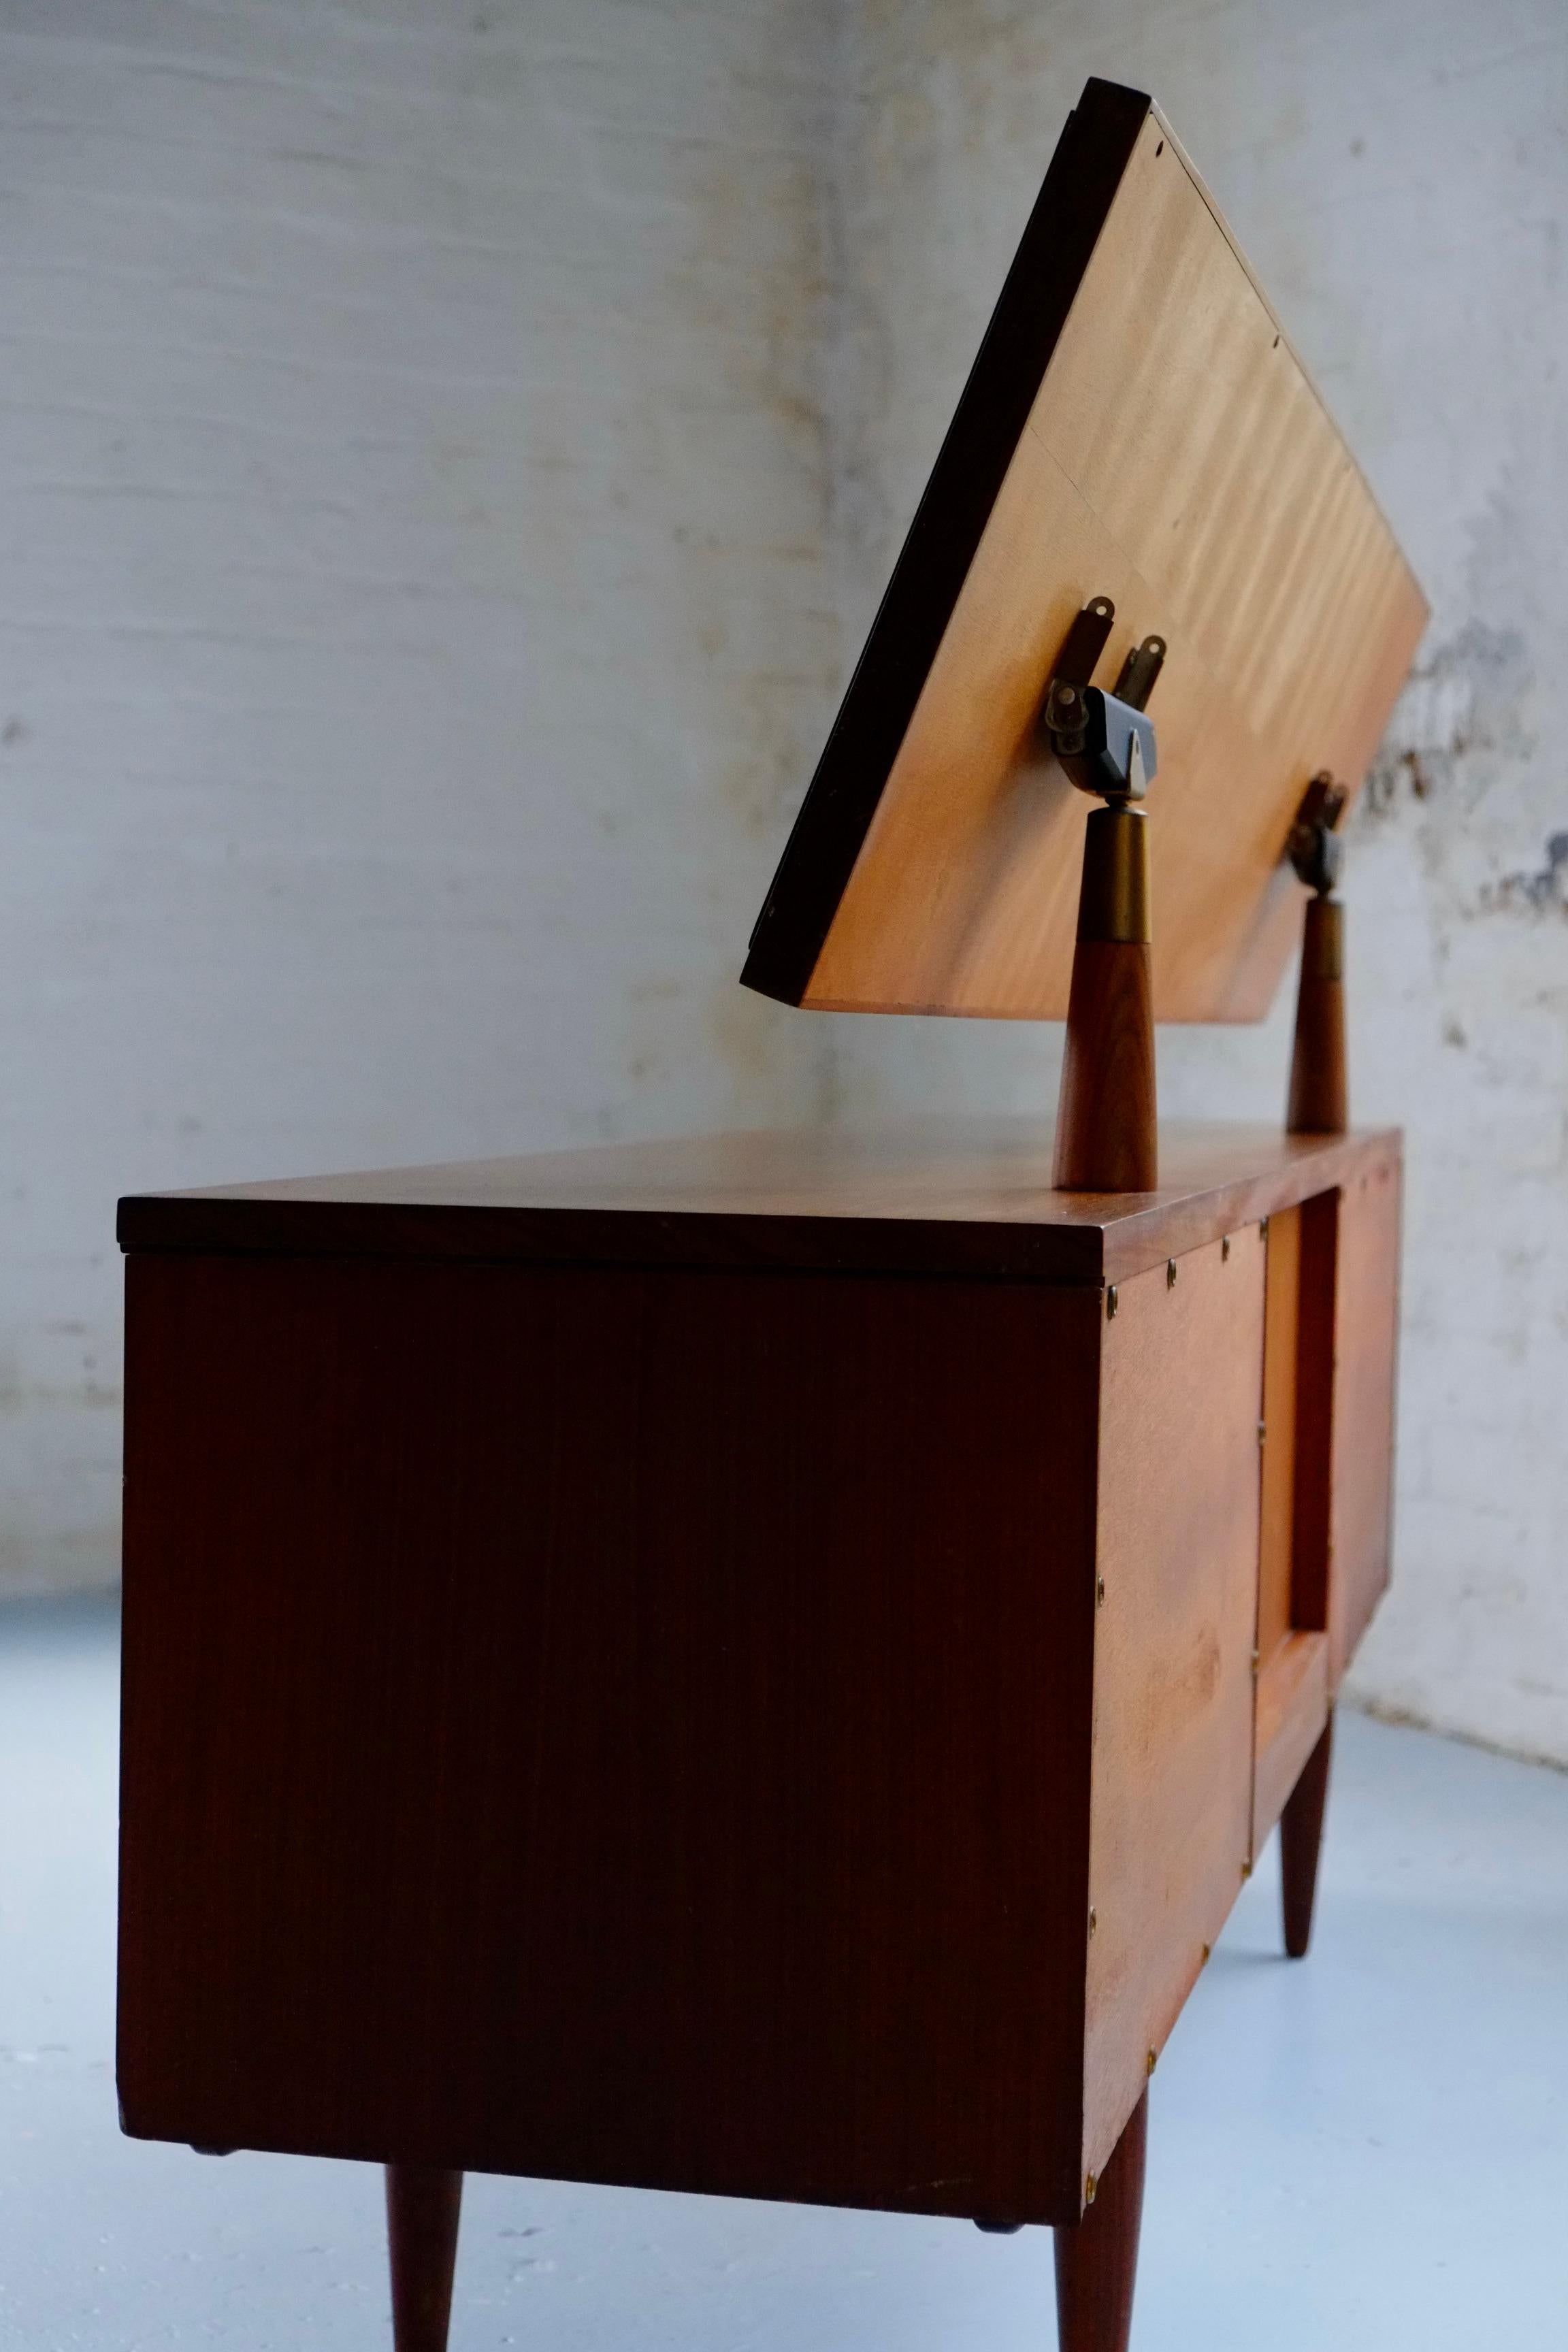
(423, 2202)
(1097, 2259)
(1301, 1843)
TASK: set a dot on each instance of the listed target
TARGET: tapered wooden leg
(1300, 1842)
(1096, 2262)
(423, 2202)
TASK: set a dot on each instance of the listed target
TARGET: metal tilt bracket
(1315, 847)
(1104, 742)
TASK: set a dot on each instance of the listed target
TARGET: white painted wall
(1398, 171)
(413, 612)
(443, 453)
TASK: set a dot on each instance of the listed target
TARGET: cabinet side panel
(1366, 1341)
(1181, 1379)
(614, 1726)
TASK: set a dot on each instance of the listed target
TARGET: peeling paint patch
(1459, 723)
(1541, 893)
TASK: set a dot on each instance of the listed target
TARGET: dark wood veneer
(576, 1724)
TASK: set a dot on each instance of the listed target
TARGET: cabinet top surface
(928, 1196)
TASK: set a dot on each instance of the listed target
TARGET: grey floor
(1370, 2150)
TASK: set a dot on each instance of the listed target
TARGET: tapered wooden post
(1301, 1843)
(1097, 2261)
(1317, 1104)
(1106, 1130)
(422, 2203)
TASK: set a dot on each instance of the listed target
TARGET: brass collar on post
(1323, 940)
(1113, 901)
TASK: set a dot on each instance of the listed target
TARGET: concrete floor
(1366, 2152)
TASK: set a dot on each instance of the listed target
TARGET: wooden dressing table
(759, 1664)
(724, 1666)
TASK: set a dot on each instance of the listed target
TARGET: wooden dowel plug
(1317, 1104)
(1097, 2261)
(423, 2205)
(1106, 1133)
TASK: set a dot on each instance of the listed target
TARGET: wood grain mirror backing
(1136, 423)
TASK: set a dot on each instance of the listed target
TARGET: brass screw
(1090, 2185)
(1111, 1302)
(1093, 1921)
(1262, 1430)
(1100, 1591)
(1153, 2060)
(1170, 1274)
(1205, 1961)
(1225, 1249)
(1245, 1870)
(1263, 1229)
(1256, 1662)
